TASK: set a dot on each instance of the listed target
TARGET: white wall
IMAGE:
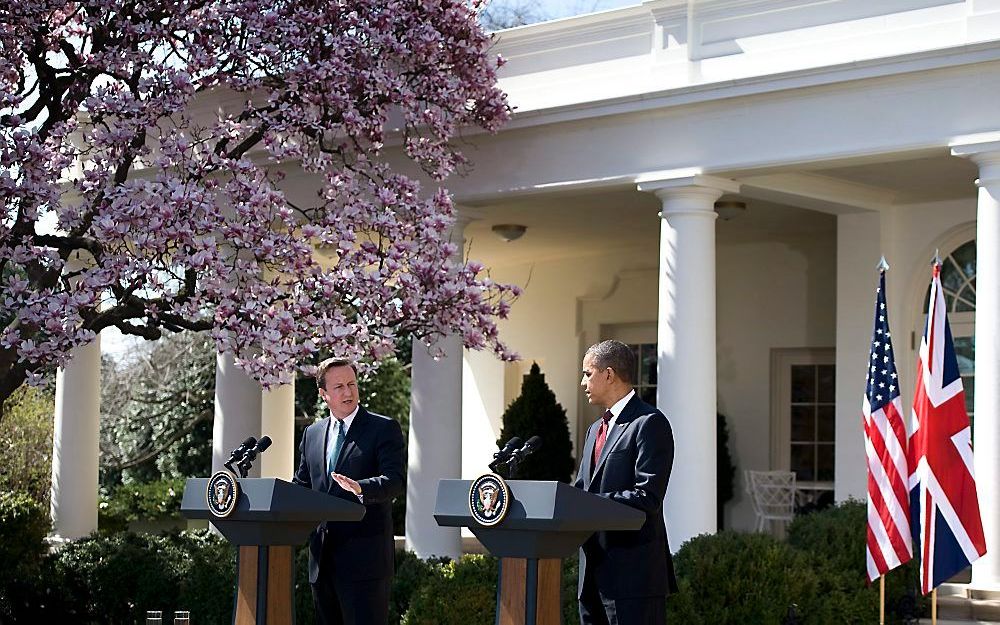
(907, 235)
(770, 294)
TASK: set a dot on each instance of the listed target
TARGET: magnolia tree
(142, 151)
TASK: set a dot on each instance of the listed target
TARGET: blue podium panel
(544, 520)
(270, 511)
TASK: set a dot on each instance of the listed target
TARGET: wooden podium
(271, 517)
(546, 521)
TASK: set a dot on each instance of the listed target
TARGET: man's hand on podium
(347, 483)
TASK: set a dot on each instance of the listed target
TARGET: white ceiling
(581, 222)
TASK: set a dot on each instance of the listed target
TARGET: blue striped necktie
(338, 444)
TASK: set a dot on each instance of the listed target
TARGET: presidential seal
(222, 493)
(489, 499)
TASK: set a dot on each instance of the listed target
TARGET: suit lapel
(615, 433)
(353, 435)
(588, 455)
(319, 452)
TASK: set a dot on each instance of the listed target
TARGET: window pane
(951, 276)
(827, 383)
(969, 382)
(804, 423)
(824, 463)
(647, 365)
(969, 293)
(965, 258)
(803, 383)
(636, 350)
(803, 462)
(648, 395)
(965, 350)
(825, 421)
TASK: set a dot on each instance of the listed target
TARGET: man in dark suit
(625, 576)
(358, 456)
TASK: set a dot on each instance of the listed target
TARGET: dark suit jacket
(633, 469)
(372, 455)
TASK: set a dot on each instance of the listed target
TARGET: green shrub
(740, 578)
(834, 540)
(570, 582)
(304, 610)
(140, 502)
(23, 526)
(461, 592)
(208, 576)
(116, 579)
(412, 574)
(26, 438)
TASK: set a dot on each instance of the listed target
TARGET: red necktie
(602, 436)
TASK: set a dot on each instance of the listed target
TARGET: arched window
(958, 280)
(958, 277)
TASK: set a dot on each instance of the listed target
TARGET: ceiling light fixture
(730, 209)
(509, 232)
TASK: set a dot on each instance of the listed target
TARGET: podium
(545, 522)
(270, 518)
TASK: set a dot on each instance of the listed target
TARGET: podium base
(264, 586)
(530, 591)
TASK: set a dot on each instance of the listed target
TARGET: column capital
(690, 194)
(984, 150)
(685, 182)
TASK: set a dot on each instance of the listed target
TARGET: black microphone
(502, 455)
(534, 444)
(251, 455)
(239, 452)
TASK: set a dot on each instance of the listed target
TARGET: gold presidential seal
(222, 493)
(488, 499)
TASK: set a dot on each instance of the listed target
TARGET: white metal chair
(772, 494)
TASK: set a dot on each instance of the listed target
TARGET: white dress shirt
(618, 407)
(346, 424)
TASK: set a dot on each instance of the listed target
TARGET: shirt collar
(348, 420)
(620, 405)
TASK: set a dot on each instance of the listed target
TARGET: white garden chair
(772, 494)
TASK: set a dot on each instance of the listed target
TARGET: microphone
(239, 452)
(251, 455)
(534, 444)
(502, 455)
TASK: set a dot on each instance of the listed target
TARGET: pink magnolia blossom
(143, 156)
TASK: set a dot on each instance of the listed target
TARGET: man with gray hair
(625, 576)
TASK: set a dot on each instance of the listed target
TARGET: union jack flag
(888, 540)
(944, 505)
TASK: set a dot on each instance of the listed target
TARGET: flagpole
(934, 607)
(881, 600)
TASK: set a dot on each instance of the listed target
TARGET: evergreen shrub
(537, 413)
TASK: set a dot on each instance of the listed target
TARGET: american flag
(888, 540)
(944, 504)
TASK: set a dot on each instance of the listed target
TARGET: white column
(237, 411)
(435, 443)
(277, 420)
(75, 446)
(859, 246)
(985, 151)
(686, 388)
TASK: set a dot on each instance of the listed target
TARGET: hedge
(724, 578)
